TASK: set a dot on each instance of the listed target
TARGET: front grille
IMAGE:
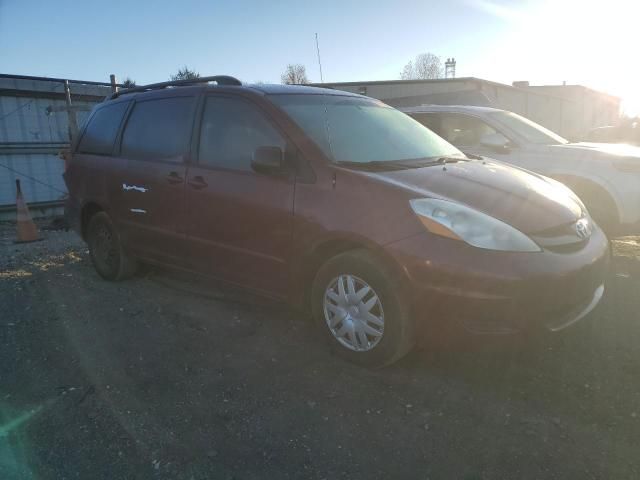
(566, 248)
(562, 239)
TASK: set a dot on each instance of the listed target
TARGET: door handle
(173, 178)
(198, 182)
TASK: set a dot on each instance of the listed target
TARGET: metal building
(569, 110)
(34, 128)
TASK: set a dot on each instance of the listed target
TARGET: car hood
(529, 202)
(610, 151)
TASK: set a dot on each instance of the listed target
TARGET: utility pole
(71, 114)
(319, 62)
(73, 122)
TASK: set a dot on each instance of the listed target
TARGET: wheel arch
(328, 248)
(588, 188)
(89, 209)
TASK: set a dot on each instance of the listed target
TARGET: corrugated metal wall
(25, 127)
(31, 135)
(24, 120)
(40, 177)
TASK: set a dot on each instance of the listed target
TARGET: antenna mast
(319, 62)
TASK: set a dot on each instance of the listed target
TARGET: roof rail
(219, 79)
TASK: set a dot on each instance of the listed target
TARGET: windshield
(528, 129)
(355, 129)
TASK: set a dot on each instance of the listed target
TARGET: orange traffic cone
(27, 230)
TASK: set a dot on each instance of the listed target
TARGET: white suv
(605, 176)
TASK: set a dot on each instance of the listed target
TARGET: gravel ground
(164, 377)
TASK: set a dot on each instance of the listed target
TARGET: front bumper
(488, 292)
(578, 313)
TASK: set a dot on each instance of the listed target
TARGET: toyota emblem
(582, 228)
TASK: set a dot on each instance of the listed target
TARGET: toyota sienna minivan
(335, 202)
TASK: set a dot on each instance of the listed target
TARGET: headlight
(456, 221)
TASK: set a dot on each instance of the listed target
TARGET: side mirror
(268, 160)
(495, 141)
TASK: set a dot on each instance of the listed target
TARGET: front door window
(462, 130)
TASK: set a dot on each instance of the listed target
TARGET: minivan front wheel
(360, 309)
(105, 249)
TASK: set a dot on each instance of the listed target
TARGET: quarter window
(231, 131)
(102, 129)
(159, 129)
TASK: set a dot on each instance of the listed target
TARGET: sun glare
(592, 43)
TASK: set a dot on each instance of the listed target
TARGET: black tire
(398, 332)
(105, 249)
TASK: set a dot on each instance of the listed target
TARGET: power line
(23, 105)
(33, 178)
(17, 109)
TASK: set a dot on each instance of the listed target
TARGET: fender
(311, 259)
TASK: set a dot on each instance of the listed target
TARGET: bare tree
(407, 71)
(424, 66)
(294, 74)
(128, 83)
(185, 74)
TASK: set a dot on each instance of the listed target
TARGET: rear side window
(159, 129)
(102, 128)
(231, 131)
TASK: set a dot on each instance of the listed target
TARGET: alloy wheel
(353, 312)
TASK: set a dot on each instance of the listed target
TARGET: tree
(294, 74)
(185, 74)
(128, 83)
(424, 66)
(407, 71)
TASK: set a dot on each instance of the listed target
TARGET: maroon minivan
(335, 202)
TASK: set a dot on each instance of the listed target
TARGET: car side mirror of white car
(496, 142)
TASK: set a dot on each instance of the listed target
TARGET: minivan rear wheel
(359, 309)
(105, 249)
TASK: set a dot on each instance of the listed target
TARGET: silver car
(605, 176)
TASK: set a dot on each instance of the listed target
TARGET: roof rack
(219, 79)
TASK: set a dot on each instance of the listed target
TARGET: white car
(605, 176)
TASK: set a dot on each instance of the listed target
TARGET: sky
(593, 43)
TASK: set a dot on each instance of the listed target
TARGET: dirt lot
(162, 378)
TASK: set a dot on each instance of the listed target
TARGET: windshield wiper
(402, 165)
(378, 165)
(435, 161)
(445, 160)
